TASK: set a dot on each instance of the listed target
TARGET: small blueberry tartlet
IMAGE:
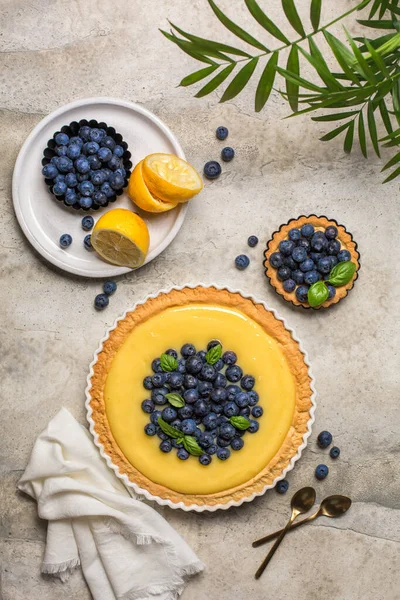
(312, 262)
(86, 165)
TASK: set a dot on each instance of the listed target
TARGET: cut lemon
(171, 178)
(121, 237)
(140, 195)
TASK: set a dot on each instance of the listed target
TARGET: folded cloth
(125, 548)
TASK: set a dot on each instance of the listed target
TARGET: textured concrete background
(55, 51)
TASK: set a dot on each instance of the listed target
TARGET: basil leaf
(168, 429)
(175, 399)
(190, 444)
(240, 423)
(180, 439)
(342, 273)
(214, 354)
(168, 363)
(317, 294)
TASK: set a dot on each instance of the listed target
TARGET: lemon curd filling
(258, 354)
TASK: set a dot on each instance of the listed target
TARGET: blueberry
(87, 223)
(166, 446)
(298, 276)
(61, 139)
(276, 260)
(188, 350)
(284, 273)
(61, 150)
(334, 452)
(299, 254)
(210, 421)
(156, 366)
(204, 388)
(109, 287)
(201, 355)
(290, 263)
(181, 366)
(185, 412)
(54, 161)
(302, 293)
(100, 198)
(197, 433)
(331, 232)
(191, 396)
(231, 409)
(189, 381)
(307, 265)
(194, 365)
(331, 290)
(82, 165)
(158, 379)
(96, 135)
(175, 380)
(158, 395)
(220, 380)
(107, 190)
(257, 412)
(84, 132)
(227, 431)
(318, 243)
(247, 382)
(60, 188)
(242, 262)
(234, 373)
(70, 197)
(311, 277)
(307, 230)
(94, 162)
(212, 169)
(101, 301)
(73, 151)
(289, 285)
(114, 163)
(65, 240)
(150, 429)
(252, 241)
(303, 243)
(188, 426)
(223, 453)
(161, 434)
(244, 412)
(182, 454)
(321, 472)
(254, 427)
(229, 358)
(86, 188)
(118, 151)
(148, 406)
(334, 261)
(208, 373)
(294, 234)
(212, 449)
(97, 177)
(205, 459)
(201, 408)
(217, 408)
(155, 416)
(50, 171)
(344, 256)
(91, 148)
(147, 384)
(286, 247)
(218, 395)
(206, 439)
(333, 247)
(253, 398)
(242, 400)
(108, 142)
(76, 140)
(83, 177)
(117, 182)
(85, 202)
(324, 439)
(324, 265)
(169, 414)
(282, 486)
(227, 154)
(221, 133)
(237, 443)
(87, 242)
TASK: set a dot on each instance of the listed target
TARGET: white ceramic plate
(134, 488)
(43, 218)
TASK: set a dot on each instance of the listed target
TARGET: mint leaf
(342, 273)
(190, 444)
(214, 354)
(175, 399)
(317, 293)
(168, 429)
(240, 423)
(168, 363)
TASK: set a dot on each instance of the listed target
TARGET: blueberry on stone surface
(294, 234)
(65, 240)
(311, 277)
(229, 357)
(334, 452)
(212, 169)
(276, 260)
(191, 396)
(321, 472)
(307, 230)
(242, 262)
(50, 171)
(289, 285)
(109, 287)
(282, 486)
(324, 265)
(344, 256)
(227, 154)
(286, 247)
(234, 373)
(194, 365)
(223, 453)
(331, 232)
(221, 133)
(101, 301)
(148, 406)
(298, 276)
(61, 139)
(188, 426)
(257, 412)
(324, 439)
(254, 427)
(307, 265)
(150, 429)
(284, 273)
(302, 293)
(237, 443)
(182, 454)
(252, 241)
(331, 290)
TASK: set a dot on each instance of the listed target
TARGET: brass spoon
(332, 506)
(301, 503)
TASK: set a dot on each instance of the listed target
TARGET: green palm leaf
(376, 57)
(188, 48)
(348, 140)
(292, 89)
(266, 82)
(315, 13)
(235, 29)
(215, 81)
(343, 55)
(204, 44)
(317, 61)
(383, 8)
(374, 8)
(381, 24)
(334, 116)
(299, 81)
(372, 128)
(335, 132)
(265, 21)
(393, 161)
(198, 75)
(361, 135)
(395, 174)
(240, 80)
(385, 116)
(292, 16)
(362, 63)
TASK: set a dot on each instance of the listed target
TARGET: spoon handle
(274, 548)
(274, 535)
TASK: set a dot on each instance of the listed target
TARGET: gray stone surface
(52, 52)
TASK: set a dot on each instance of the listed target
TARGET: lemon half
(121, 237)
(140, 195)
(171, 178)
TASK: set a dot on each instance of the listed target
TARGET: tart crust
(346, 240)
(272, 326)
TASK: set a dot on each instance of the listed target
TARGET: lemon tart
(264, 347)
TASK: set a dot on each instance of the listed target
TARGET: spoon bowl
(334, 506)
(303, 500)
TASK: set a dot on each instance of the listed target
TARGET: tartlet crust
(271, 325)
(344, 237)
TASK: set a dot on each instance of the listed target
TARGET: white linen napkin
(125, 548)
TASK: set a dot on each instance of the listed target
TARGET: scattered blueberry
(109, 287)
(205, 459)
(242, 262)
(237, 443)
(257, 412)
(229, 358)
(87, 242)
(148, 406)
(321, 472)
(282, 486)
(334, 452)
(252, 241)
(212, 169)
(150, 429)
(101, 301)
(87, 223)
(254, 427)
(227, 154)
(65, 240)
(324, 439)
(222, 133)
(166, 446)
